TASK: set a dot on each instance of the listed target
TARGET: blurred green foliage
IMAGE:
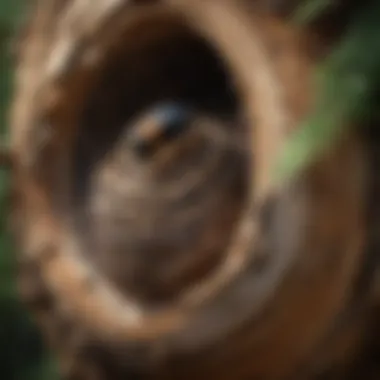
(22, 355)
(348, 82)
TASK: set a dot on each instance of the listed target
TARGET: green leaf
(347, 82)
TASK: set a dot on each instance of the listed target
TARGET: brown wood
(191, 263)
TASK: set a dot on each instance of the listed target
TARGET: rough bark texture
(190, 262)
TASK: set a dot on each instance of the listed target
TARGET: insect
(162, 123)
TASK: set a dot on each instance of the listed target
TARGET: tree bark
(190, 262)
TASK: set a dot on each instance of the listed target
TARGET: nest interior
(156, 225)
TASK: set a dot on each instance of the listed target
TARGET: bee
(161, 124)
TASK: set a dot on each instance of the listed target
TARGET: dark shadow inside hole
(181, 68)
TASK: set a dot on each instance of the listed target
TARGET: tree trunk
(154, 242)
